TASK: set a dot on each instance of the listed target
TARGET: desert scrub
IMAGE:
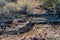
(48, 3)
(10, 9)
(18, 5)
(58, 1)
(42, 0)
(58, 6)
(2, 0)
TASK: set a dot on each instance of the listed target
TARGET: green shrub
(48, 3)
(58, 1)
(42, 0)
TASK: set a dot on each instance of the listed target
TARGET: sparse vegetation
(21, 20)
(48, 3)
(42, 0)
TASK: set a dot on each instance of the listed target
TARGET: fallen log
(25, 28)
(45, 15)
(20, 30)
(28, 26)
(10, 21)
(13, 32)
(46, 21)
(31, 22)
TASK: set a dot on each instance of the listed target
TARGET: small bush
(49, 3)
(42, 0)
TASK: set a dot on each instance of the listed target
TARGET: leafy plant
(49, 3)
(43, 0)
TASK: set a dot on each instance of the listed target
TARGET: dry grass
(17, 5)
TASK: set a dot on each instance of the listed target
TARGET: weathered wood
(50, 18)
(10, 21)
(46, 21)
(20, 30)
(25, 28)
(45, 14)
(13, 32)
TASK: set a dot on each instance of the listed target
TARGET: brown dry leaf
(46, 26)
(38, 32)
(27, 35)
